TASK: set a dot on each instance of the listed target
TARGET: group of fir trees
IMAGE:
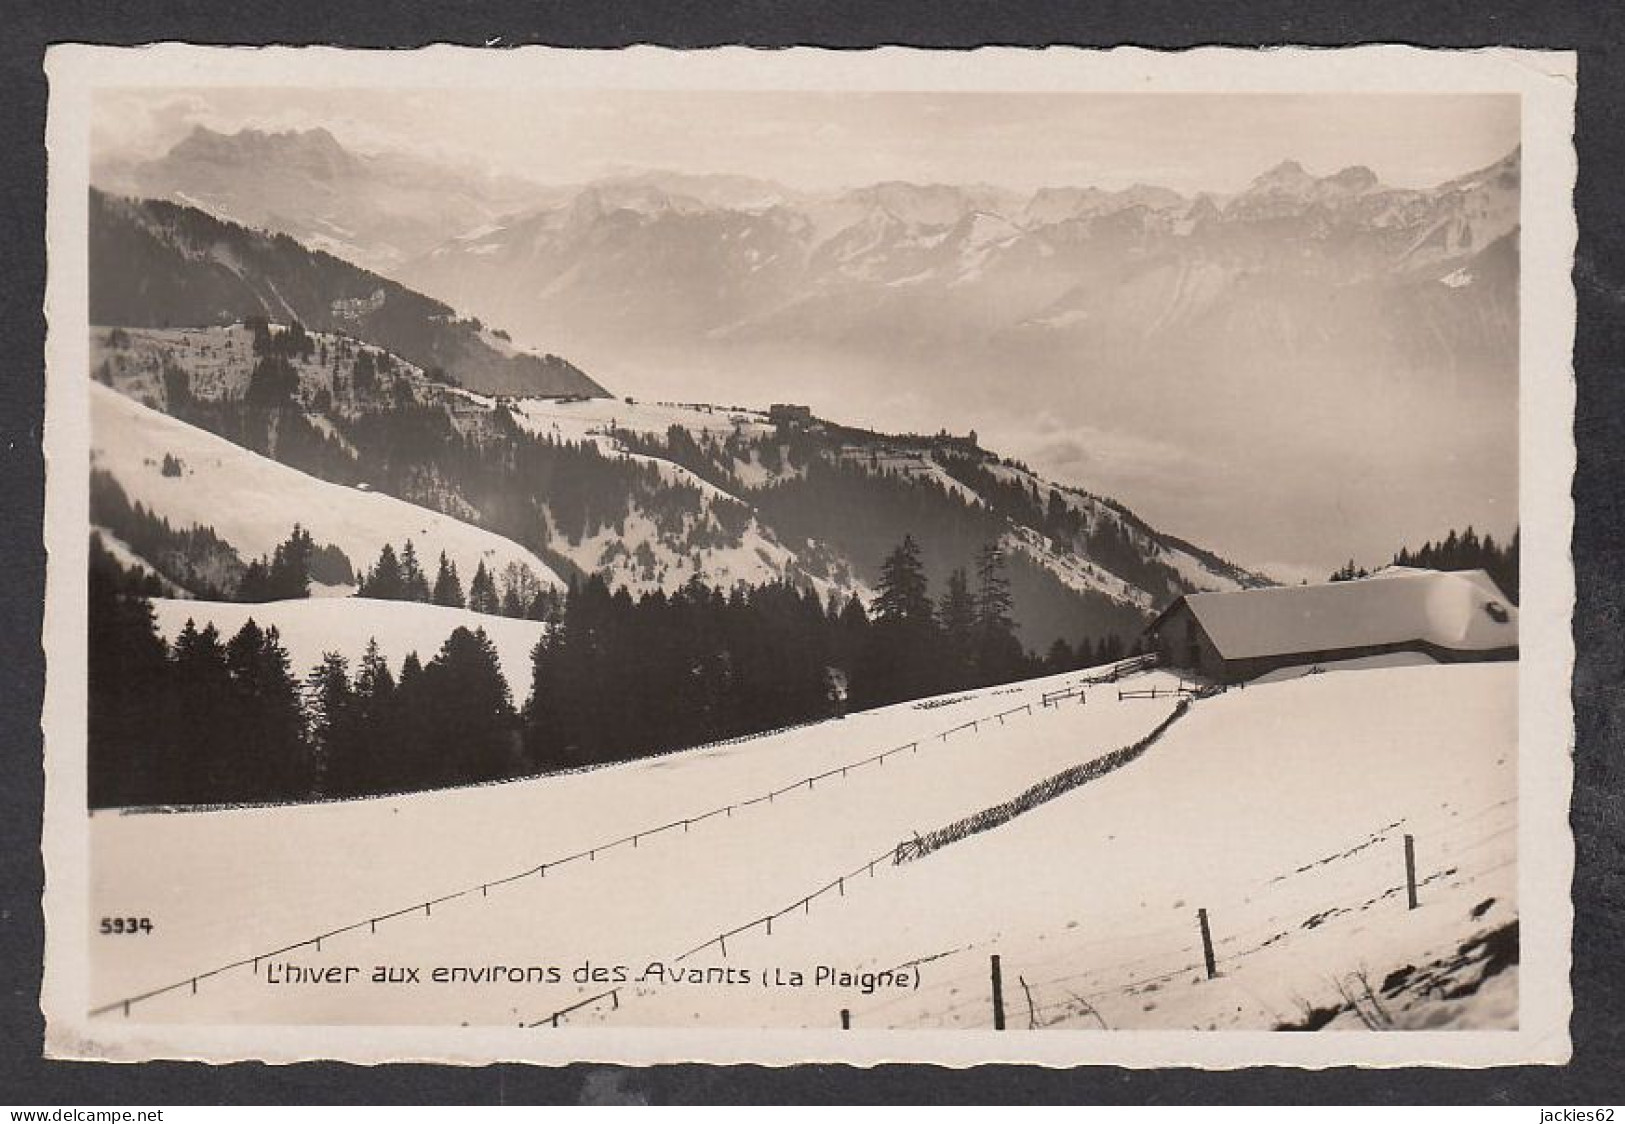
(295, 562)
(1463, 550)
(917, 646)
(285, 575)
(618, 678)
(1466, 551)
(621, 677)
(197, 560)
(448, 722)
(210, 720)
(400, 577)
(205, 720)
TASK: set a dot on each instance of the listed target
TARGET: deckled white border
(1546, 81)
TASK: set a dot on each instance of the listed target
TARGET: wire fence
(1073, 979)
(918, 846)
(1122, 668)
(837, 886)
(634, 839)
(1042, 792)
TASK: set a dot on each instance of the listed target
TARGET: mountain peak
(1288, 173)
(1355, 178)
(313, 150)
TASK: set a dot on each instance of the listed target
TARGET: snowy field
(583, 419)
(311, 628)
(253, 502)
(1280, 809)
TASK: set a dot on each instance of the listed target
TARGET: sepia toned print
(656, 556)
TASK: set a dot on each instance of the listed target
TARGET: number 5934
(112, 925)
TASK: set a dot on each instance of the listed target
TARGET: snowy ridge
(636, 554)
(1200, 575)
(253, 502)
(1074, 571)
(724, 456)
(126, 557)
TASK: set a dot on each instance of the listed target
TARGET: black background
(1597, 1074)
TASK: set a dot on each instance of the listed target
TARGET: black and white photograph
(671, 556)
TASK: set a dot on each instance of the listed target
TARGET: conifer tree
(380, 729)
(993, 600)
(520, 588)
(956, 615)
(385, 580)
(482, 592)
(330, 702)
(255, 584)
(411, 671)
(448, 589)
(204, 694)
(130, 757)
(999, 654)
(374, 685)
(1060, 657)
(288, 576)
(903, 598)
(261, 752)
(512, 606)
(472, 721)
(414, 586)
(902, 658)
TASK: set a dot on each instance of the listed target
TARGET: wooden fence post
(1410, 871)
(1207, 944)
(998, 994)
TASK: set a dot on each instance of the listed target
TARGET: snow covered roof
(1460, 611)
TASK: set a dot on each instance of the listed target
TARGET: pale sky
(821, 141)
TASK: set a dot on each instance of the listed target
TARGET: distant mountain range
(1128, 338)
(1067, 283)
(964, 275)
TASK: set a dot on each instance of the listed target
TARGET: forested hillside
(160, 265)
(651, 503)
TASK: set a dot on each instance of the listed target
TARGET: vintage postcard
(1029, 556)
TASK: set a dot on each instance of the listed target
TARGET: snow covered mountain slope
(311, 628)
(653, 494)
(253, 502)
(154, 264)
(1289, 800)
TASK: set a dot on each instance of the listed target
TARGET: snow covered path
(1277, 808)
